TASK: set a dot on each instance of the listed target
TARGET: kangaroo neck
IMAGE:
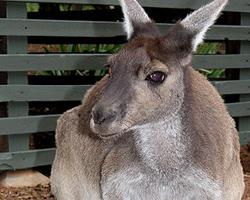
(162, 145)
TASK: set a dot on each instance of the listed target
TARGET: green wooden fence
(17, 93)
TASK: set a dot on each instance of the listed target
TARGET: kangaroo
(153, 128)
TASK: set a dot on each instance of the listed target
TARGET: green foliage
(70, 7)
(80, 48)
(65, 7)
(213, 73)
(88, 7)
(32, 7)
(206, 49)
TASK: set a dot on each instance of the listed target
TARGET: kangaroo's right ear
(136, 20)
(198, 22)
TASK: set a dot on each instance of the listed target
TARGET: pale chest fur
(162, 142)
(156, 168)
(194, 185)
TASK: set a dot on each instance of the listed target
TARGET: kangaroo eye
(156, 77)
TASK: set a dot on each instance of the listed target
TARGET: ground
(43, 192)
(245, 160)
(27, 193)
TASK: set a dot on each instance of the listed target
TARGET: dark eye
(156, 77)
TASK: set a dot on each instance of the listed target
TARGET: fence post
(3, 80)
(17, 45)
(244, 122)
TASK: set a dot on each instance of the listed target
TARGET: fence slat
(27, 124)
(34, 27)
(31, 93)
(241, 109)
(43, 157)
(47, 123)
(33, 124)
(26, 159)
(244, 137)
(41, 62)
(235, 6)
(42, 92)
(51, 62)
(225, 61)
(233, 87)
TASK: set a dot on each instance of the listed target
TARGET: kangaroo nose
(101, 116)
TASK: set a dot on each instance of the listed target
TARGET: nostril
(100, 116)
(99, 120)
(110, 116)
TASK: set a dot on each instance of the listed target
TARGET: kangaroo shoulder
(66, 122)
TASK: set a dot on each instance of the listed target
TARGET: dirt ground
(27, 193)
(245, 160)
(43, 192)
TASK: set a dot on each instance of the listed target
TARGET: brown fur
(133, 138)
(73, 128)
(216, 152)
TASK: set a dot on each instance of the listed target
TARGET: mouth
(110, 136)
(105, 132)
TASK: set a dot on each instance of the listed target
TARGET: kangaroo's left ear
(198, 22)
(136, 20)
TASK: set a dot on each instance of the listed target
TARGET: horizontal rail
(233, 61)
(41, 62)
(64, 28)
(244, 137)
(241, 109)
(236, 6)
(28, 124)
(26, 159)
(44, 123)
(233, 87)
(42, 92)
(20, 93)
(43, 157)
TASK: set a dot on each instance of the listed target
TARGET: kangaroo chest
(133, 183)
(153, 166)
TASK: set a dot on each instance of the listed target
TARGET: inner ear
(136, 20)
(200, 20)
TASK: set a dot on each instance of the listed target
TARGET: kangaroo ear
(134, 16)
(198, 22)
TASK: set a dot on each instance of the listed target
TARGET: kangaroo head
(146, 82)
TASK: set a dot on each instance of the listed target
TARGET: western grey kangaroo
(154, 128)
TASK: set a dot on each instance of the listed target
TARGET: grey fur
(168, 141)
